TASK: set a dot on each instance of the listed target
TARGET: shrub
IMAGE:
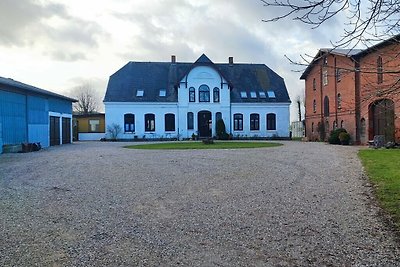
(344, 138)
(221, 132)
(334, 136)
(114, 130)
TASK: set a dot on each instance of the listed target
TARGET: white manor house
(177, 100)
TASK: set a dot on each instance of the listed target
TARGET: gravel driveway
(98, 204)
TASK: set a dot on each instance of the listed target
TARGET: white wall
(281, 110)
(114, 113)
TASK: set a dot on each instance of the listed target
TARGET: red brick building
(358, 90)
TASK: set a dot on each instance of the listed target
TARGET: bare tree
(367, 21)
(87, 100)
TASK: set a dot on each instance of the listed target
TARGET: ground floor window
(169, 122)
(94, 126)
(254, 122)
(271, 121)
(150, 122)
(238, 122)
(129, 122)
(190, 121)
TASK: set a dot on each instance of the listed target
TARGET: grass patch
(383, 169)
(200, 145)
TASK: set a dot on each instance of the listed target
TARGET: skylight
(163, 92)
(139, 93)
(271, 94)
(253, 94)
(243, 94)
(262, 94)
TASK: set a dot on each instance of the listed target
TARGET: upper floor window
(169, 122)
(271, 94)
(312, 127)
(238, 122)
(163, 92)
(139, 93)
(325, 77)
(339, 101)
(204, 93)
(149, 122)
(243, 94)
(216, 94)
(262, 94)
(325, 60)
(314, 84)
(379, 64)
(254, 122)
(326, 106)
(192, 94)
(190, 120)
(314, 106)
(338, 74)
(271, 121)
(253, 94)
(129, 122)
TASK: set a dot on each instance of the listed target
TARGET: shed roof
(31, 89)
(153, 76)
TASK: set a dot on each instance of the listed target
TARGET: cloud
(47, 27)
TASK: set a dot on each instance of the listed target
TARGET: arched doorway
(204, 123)
(381, 117)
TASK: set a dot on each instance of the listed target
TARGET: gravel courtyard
(99, 204)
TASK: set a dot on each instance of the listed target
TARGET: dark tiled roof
(352, 53)
(153, 76)
(31, 89)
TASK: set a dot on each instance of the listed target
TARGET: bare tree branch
(87, 101)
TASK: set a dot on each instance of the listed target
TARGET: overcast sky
(58, 45)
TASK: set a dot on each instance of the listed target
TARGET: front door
(54, 130)
(204, 124)
(383, 119)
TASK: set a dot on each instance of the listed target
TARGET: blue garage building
(30, 115)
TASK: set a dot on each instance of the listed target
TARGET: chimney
(230, 61)
(173, 59)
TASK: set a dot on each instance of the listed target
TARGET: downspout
(357, 101)
(336, 94)
(321, 101)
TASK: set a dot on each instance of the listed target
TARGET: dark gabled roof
(351, 53)
(153, 76)
(31, 89)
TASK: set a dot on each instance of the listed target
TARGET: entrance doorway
(382, 119)
(204, 123)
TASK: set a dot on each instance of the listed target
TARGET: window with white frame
(149, 122)
(169, 122)
(192, 94)
(204, 93)
(325, 77)
(271, 121)
(238, 122)
(190, 121)
(254, 122)
(129, 122)
(140, 93)
(216, 94)
(94, 126)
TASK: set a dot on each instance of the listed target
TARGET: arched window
(192, 94)
(238, 122)
(334, 125)
(326, 106)
(339, 101)
(312, 127)
(314, 106)
(204, 93)
(254, 122)
(314, 84)
(271, 121)
(190, 120)
(363, 127)
(129, 122)
(216, 94)
(169, 122)
(379, 66)
(342, 124)
(150, 122)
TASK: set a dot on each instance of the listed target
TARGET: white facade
(201, 108)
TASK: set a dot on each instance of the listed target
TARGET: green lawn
(200, 145)
(383, 169)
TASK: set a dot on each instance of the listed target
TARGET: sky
(60, 45)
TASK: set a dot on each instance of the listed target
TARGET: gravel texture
(99, 204)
